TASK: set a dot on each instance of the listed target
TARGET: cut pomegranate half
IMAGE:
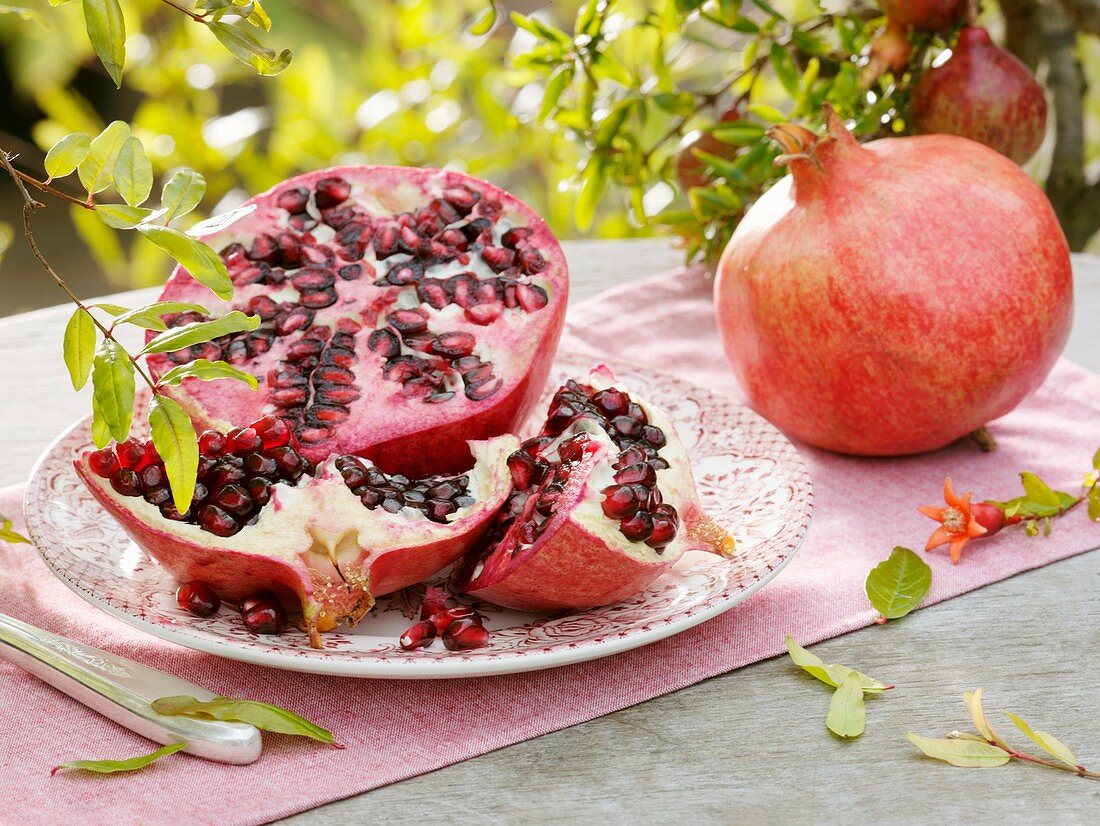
(603, 502)
(325, 540)
(404, 312)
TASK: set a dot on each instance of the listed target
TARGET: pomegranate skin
(932, 15)
(889, 298)
(984, 93)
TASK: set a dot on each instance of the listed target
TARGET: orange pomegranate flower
(957, 523)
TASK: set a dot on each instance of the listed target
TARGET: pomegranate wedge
(325, 540)
(404, 312)
(603, 503)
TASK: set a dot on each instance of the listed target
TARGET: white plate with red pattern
(750, 478)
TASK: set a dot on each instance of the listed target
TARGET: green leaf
(198, 332)
(206, 371)
(65, 155)
(1096, 460)
(967, 754)
(785, 69)
(113, 309)
(1038, 490)
(113, 386)
(107, 31)
(101, 433)
(114, 766)
(263, 716)
(30, 15)
(739, 133)
(121, 216)
(203, 264)
(1094, 503)
(973, 702)
(7, 534)
(831, 674)
(899, 584)
(175, 440)
(182, 193)
(767, 7)
(133, 172)
(593, 184)
(485, 21)
(248, 49)
(847, 713)
(79, 346)
(555, 85)
(149, 316)
(98, 167)
(1047, 742)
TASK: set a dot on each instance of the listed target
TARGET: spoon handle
(122, 690)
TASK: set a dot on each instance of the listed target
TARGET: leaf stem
(198, 18)
(30, 206)
(1079, 770)
(43, 186)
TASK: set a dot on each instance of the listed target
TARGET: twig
(198, 18)
(30, 206)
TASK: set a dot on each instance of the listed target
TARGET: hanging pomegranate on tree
(983, 93)
(888, 298)
(932, 15)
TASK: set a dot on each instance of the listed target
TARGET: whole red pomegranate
(983, 93)
(403, 312)
(933, 15)
(888, 298)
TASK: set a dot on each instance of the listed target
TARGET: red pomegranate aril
(638, 527)
(664, 531)
(104, 462)
(572, 450)
(247, 440)
(332, 192)
(126, 481)
(153, 476)
(157, 496)
(263, 614)
(274, 432)
(443, 619)
(217, 521)
(198, 598)
(620, 501)
(418, 636)
(131, 454)
(611, 402)
(632, 455)
(435, 601)
(293, 200)
(513, 237)
(453, 345)
(531, 297)
(626, 426)
(465, 634)
(522, 466)
(641, 472)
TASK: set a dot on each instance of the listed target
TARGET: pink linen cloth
(396, 730)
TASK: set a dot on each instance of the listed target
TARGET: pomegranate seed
(638, 527)
(153, 476)
(443, 619)
(641, 473)
(234, 499)
(126, 481)
(531, 297)
(572, 450)
(130, 453)
(637, 412)
(212, 443)
(103, 462)
(435, 602)
(198, 598)
(246, 440)
(516, 235)
(274, 432)
(664, 531)
(484, 314)
(263, 613)
(522, 466)
(654, 435)
(465, 634)
(293, 200)
(611, 402)
(332, 192)
(216, 521)
(418, 636)
(619, 501)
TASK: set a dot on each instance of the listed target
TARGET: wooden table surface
(749, 745)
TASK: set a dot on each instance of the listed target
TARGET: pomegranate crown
(799, 143)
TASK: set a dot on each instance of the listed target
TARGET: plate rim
(505, 663)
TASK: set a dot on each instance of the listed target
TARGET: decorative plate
(750, 477)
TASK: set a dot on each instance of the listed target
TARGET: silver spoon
(122, 690)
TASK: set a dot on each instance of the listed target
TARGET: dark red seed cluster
(198, 598)
(263, 613)
(460, 626)
(437, 497)
(235, 474)
(454, 227)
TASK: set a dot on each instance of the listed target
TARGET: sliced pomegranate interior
(603, 502)
(325, 539)
(403, 312)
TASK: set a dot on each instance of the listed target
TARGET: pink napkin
(396, 730)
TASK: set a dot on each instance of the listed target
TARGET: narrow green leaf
(182, 193)
(785, 69)
(1047, 742)
(198, 332)
(831, 674)
(149, 316)
(1096, 460)
(113, 386)
(767, 7)
(207, 371)
(263, 716)
(1094, 503)
(967, 754)
(10, 535)
(973, 702)
(98, 167)
(175, 440)
(133, 172)
(65, 155)
(79, 347)
(113, 309)
(899, 584)
(739, 133)
(114, 766)
(203, 264)
(485, 21)
(107, 31)
(101, 433)
(847, 713)
(1038, 490)
(121, 216)
(555, 85)
(30, 15)
(247, 49)
(593, 184)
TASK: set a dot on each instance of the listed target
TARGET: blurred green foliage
(581, 109)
